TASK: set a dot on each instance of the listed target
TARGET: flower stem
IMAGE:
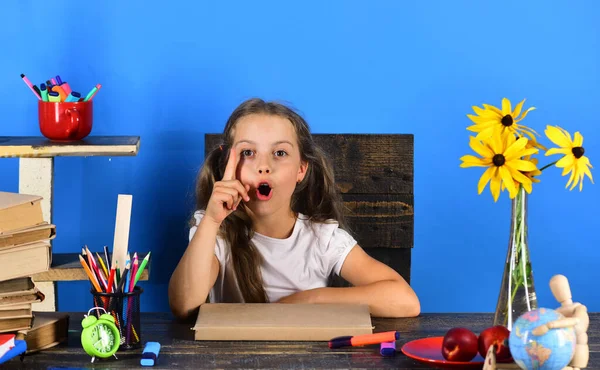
(548, 165)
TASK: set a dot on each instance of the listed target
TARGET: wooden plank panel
(370, 163)
(364, 163)
(381, 220)
(398, 259)
(66, 267)
(40, 147)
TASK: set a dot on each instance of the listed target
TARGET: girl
(269, 225)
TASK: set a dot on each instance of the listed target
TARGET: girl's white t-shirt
(305, 260)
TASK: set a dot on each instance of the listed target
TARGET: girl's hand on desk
(227, 193)
(307, 296)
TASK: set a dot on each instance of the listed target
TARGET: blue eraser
(150, 354)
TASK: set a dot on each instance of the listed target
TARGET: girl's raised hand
(227, 193)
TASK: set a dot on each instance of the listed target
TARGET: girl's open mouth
(264, 192)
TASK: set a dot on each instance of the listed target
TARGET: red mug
(65, 121)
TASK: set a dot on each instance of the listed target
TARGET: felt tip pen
(44, 91)
(73, 97)
(60, 91)
(150, 354)
(90, 94)
(387, 348)
(53, 97)
(53, 81)
(364, 339)
(65, 86)
(58, 80)
(28, 83)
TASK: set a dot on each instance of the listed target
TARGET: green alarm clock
(100, 337)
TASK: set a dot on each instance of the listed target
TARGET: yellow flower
(532, 143)
(573, 161)
(502, 155)
(491, 120)
(529, 174)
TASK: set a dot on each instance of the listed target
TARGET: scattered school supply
(18, 349)
(30, 85)
(121, 300)
(62, 88)
(7, 341)
(73, 97)
(53, 97)
(150, 354)
(113, 289)
(121, 237)
(362, 340)
(387, 349)
(67, 120)
(100, 336)
(284, 322)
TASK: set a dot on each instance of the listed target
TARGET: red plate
(429, 351)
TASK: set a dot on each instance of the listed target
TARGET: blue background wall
(171, 73)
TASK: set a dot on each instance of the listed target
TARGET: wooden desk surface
(179, 350)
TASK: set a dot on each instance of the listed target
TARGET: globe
(551, 351)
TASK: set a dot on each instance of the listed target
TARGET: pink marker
(28, 83)
(66, 88)
(53, 81)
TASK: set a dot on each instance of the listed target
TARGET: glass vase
(517, 291)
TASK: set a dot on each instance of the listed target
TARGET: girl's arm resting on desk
(195, 273)
(374, 283)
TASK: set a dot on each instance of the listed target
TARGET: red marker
(28, 83)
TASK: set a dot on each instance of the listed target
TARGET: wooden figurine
(575, 315)
(562, 292)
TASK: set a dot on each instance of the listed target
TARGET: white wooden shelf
(36, 176)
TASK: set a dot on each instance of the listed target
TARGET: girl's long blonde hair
(316, 196)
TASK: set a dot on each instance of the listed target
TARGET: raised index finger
(231, 166)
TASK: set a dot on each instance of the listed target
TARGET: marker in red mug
(65, 86)
(92, 92)
(362, 340)
(73, 97)
(28, 83)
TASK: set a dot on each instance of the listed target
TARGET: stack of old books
(25, 250)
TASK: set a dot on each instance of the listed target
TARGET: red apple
(496, 335)
(459, 344)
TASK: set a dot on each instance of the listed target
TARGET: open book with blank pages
(281, 322)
